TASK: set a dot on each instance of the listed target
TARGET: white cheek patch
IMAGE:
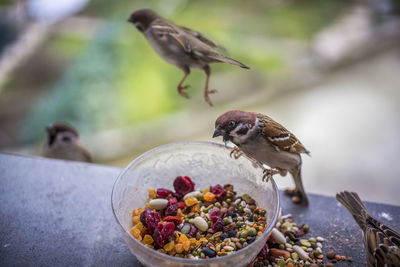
(241, 138)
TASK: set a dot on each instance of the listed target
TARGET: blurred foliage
(117, 80)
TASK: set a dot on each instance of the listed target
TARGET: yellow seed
(169, 246)
(135, 233)
(152, 193)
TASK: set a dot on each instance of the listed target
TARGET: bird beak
(217, 132)
(49, 128)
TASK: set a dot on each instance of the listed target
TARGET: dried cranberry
(171, 210)
(178, 195)
(193, 230)
(150, 219)
(173, 201)
(181, 205)
(183, 185)
(271, 239)
(175, 219)
(217, 224)
(217, 190)
(145, 232)
(162, 233)
(168, 230)
(215, 212)
(163, 193)
(264, 252)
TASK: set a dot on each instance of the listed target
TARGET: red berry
(173, 200)
(264, 252)
(193, 230)
(171, 210)
(150, 219)
(183, 185)
(217, 224)
(175, 219)
(181, 205)
(163, 193)
(217, 190)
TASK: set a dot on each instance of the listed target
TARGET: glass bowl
(207, 164)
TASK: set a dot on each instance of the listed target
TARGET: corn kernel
(192, 240)
(169, 246)
(210, 197)
(135, 219)
(179, 248)
(152, 193)
(147, 239)
(190, 201)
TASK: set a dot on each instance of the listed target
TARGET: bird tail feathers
(352, 202)
(229, 60)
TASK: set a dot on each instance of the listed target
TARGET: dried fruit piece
(150, 219)
(148, 240)
(152, 193)
(193, 230)
(186, 245)
(169, 246)
(190, 201)
(175, 219)
(163, 193)
(217, 190)
(181, 205)
(135, 219)
(210, 197)
(217, 224)
(179, 248)
(183, 185)
(171, 210)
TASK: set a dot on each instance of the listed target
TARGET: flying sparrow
(382, 244)
(263, 139)
(180, 46)
(63, 143)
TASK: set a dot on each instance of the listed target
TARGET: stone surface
(58, 213)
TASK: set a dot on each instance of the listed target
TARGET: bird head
(142, 18)
(62, 132)
(234, 126)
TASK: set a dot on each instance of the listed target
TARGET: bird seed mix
(195, 224)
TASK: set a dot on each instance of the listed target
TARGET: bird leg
(207, 70)
(268, 173)
(181, 88)
(236, 152)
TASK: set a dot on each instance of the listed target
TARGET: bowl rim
(182, 260)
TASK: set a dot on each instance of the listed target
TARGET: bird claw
(268, 173)
(207, 97)
(182, 93)
(236, 152)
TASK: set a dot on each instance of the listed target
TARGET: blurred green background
(318, 67)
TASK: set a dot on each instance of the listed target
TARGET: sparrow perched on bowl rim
(263, 139)
(180, 46)
(382, 244)
(63, 143)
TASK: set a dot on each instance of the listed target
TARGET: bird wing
(201, 37)
(279, 136)
(166, 32)
(381, 242)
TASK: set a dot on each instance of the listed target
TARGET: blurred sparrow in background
(268, 142)
(180, 46)
(63, 143)
(382, 244)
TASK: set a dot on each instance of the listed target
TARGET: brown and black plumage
(382, 244)
(180, 46)
(63, 143)
(265, 140)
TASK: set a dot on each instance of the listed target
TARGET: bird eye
(231, 124)
(139, 26)
(66, 139)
